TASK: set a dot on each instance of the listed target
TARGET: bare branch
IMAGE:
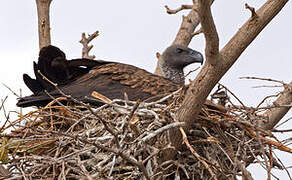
(252, 10)
(199, 31)
(162, 129)
(210, 32)
(43, 8)
(249, 31)
(186, 142)
(276, 114)
(174, 11)
(86, 48)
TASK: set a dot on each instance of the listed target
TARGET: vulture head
(175, 58)
(51, 52)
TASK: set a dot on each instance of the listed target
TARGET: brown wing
(126, 78)
(111, 80)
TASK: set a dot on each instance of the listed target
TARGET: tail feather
(33, 100)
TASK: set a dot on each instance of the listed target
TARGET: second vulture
(80, 77)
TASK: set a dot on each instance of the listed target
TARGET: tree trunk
(43, 8)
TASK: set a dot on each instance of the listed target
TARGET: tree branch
(276, 114)
(85, 41)
(43, 8)
(174, 11)
(210, 32)
(249, 31)
(209, 75)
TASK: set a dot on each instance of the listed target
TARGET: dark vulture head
(51, 52)
(175, 58)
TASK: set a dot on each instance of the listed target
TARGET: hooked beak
(197, 56)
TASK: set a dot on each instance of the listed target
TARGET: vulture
(80, 77)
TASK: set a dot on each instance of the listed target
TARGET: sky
(133, 31)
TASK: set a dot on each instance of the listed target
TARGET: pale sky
(132, 31)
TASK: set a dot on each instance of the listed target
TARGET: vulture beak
(197, 56)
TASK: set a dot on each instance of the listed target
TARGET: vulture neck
(174, 74)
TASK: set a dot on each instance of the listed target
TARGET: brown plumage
(108, 78)
(111, 80)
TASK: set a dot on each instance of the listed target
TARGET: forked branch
(86, 48)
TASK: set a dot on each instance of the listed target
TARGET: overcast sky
(132, 31)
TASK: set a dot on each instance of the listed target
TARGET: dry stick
(86, 48)
(118, 152)
(7, 120)
(279, 145)
(111, 131)
(199, 31)
(14, 93)
(83, 168)
(186, 142)
(174, 11)
(276, 114)
(162, 129)
(191, 72)
(245, 173)
(252, 10)
(267, 97)
(282, 164)
(261, 146)
(283, 122)
(87, 106)
(270, 162)
(264, 79)
(282, 131)
(233, 95)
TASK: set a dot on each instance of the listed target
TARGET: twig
(162, 129)
(233, 95)
(10, 90)
(252, 10)
(86, 48)
(191, 72)
(174, 11)
(199, 31)
(264, 79)
(186, 142)
(126, 157)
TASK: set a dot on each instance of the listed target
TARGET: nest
(131, 140)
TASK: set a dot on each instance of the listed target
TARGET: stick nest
(131, 140)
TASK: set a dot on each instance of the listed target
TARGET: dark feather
(80, 77)
(111, 80)
(32, 84)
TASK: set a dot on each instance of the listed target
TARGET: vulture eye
(178, 50)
